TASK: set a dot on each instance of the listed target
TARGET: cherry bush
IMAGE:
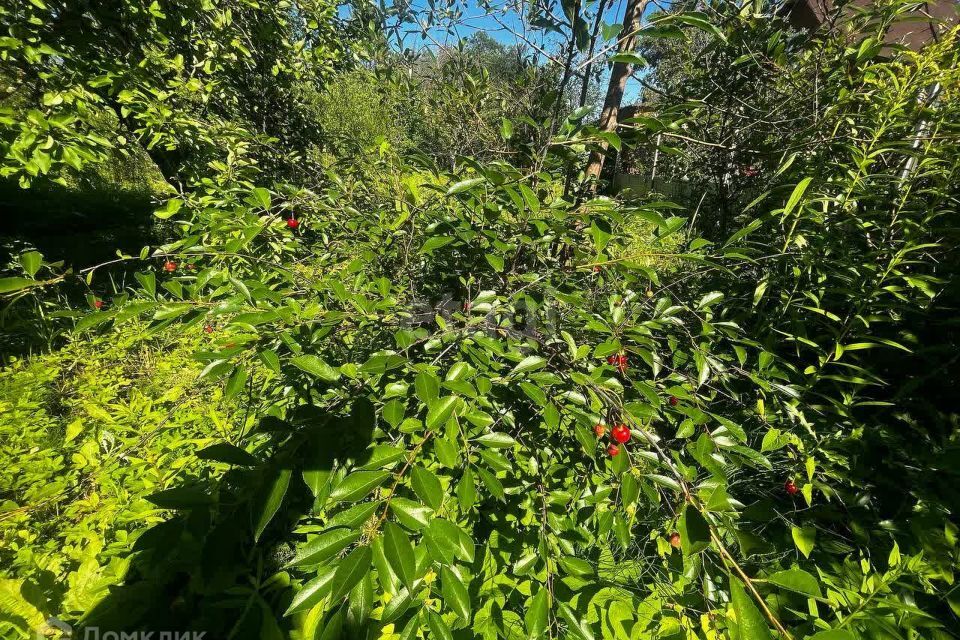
(485, 410)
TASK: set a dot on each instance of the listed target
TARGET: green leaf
(9, 285)
(575, 623)
(804, 538)
(352, 569)
(312, 592)
(399, 553)
(496, 440)
(798, 192)
(381, 456)
(796, 580)
(393, 412)
(427, 387)
(31, 262)
(316, 367)
(270, 501)
(427, 486)
(536, 617)
(750, 623)
(411, 514)
(323, 547)
(228, 453)
(529, 364)
(357, 485)
(694, 531)
(354, 515)
(455, 594)
(440, 411)
(261, 196)
(180, 498)
(833, 634)
(170, 208)
(466, 490)
(464, 185)
(438, 628)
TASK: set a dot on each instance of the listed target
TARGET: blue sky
(477, 19)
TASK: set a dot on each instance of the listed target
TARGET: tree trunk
(618, 82)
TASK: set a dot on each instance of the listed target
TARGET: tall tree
(618, 82)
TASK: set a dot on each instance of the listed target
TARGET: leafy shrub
(89, 431)
(478, 414)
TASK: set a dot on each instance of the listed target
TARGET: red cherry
(620, 433)
(599, 429)
(790, 488)
(169, 266)
(675, 540)
(596, 268)
(98, 304)
(613, 450)
(207, 328)
(467, 306)
(293, 223)
(622, 363)
(611, 359)
(673, 401)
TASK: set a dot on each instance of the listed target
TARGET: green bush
(87, 432)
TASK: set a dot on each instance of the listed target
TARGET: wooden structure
(917, 29)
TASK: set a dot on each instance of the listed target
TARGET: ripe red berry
(622, 363)
(293, 223)
(675, 540)
(790, 488)
(169, 266)
(599, 429)
(98, 304)
(596, 268)
(613, 450)
(620, 433)
(673, 401)
(467, 306)
(207, 328)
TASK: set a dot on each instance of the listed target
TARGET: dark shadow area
(81, 226)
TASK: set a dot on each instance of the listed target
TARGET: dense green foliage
(395, 416)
